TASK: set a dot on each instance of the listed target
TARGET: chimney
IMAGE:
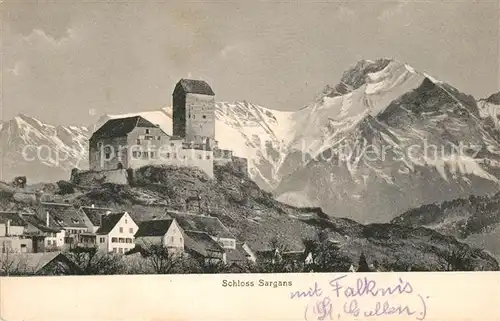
(102, 215)
(47, 220)
(7, 228)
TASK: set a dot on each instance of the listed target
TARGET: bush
(65, 188)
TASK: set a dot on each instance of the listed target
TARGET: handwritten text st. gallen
(347, 297)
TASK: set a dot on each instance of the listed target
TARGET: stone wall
(95, 178)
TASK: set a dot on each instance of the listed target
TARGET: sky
(68, 62)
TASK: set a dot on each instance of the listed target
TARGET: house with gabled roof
(203, 247)
(49, 263)
(46, 235)
(12, 238)
(165, 232)
(65, 216)
(116, 233)
(94, 215)
(208, 224)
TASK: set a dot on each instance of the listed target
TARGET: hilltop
(255, 217)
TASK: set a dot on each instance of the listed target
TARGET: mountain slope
(255, 217)
(391, 139)
(474, 220)
(40, 151)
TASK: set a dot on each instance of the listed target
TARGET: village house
(245, 248)
(208, 224)
(94, 216)
(50, 263)
(46, 235)
(12, 239)
(67, 218)
(165, 232)
(203, 248)
(116, 233)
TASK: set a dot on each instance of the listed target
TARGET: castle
(134, 142)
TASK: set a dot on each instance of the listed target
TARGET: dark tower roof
(121, 126)
(194, 87)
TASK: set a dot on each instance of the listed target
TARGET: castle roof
(119, 127)
(194, 87)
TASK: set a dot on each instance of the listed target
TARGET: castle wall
(108, 153)
(179, 113)
(223, 156)
(96, 178)
(240, 164)
(200, 117)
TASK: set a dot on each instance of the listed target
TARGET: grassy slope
(255, 217)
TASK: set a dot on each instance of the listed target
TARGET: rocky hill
(474, 220)
(255, 217)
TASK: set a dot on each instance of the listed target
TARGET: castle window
(208, 156)
(204, 117)
(144, 155)
(158, 138)
(174, 155)
(138, 142)
(168, 155)
(152, 154)
(99, 145)
(199, 156)
(147, 131)
(171, 144)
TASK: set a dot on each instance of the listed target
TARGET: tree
(160, 260)
(19, 182)
(326, 257)
(363, 265)
(457, 261)
(65, 188)
(92, 262)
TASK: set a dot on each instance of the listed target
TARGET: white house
(46, 234)
(166, 232)
(208, 224)
(116, 233)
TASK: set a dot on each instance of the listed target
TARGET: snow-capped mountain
(40, 151)
(359, 150)
(386, 139)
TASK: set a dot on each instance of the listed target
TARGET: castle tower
(194, 112)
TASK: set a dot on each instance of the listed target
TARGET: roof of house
(39, 224)
(64, 215)
(154, 227)
(236, 255)
(109, 222)
(208, 224)
(94, 214)
(15, 219)
(201, 243)
(119, 127)
(29, 262)
(195, 87)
